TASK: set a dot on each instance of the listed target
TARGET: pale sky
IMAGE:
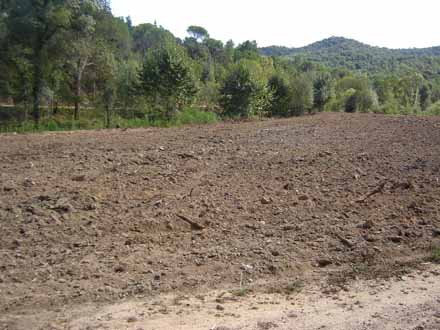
(296, 23)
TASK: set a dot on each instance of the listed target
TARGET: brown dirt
(98, 216)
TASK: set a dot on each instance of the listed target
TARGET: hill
(354, 55)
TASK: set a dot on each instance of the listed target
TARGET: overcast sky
(295, 23)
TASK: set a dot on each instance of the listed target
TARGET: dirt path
(411, 302)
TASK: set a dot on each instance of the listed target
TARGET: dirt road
(409, 302)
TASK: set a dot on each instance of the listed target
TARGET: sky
(295, 23)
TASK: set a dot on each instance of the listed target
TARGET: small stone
(395, 239)
(90, 207)
(303, 197)
(79, 178)
(219, 308)
(266, 325)
(368, 224)
(266, 201)
(119, 269)
(289, 186)
(28, 183)
(132, 319)
(324, 262)
(292, 315)
(64, 206)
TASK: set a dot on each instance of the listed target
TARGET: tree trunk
(37, 87)
(78, 90)
(77, 98)
(108, 115)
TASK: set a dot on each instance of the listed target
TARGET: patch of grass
(240, 292)
(91, 120)
(360, 268)
(192, 116)
(289, 288)
(435, 255)
(294, 287)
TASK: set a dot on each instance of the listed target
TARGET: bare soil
(407, 303)
(91, 218)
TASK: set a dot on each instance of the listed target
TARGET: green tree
(302, 95)
(198, 33)
(323, 90)
(166, 79)
(33, 26)
(425, 97)
(356, 95)
(81, 48)
(244, 93)
(247, 50)
(282, 96)
(146, 36)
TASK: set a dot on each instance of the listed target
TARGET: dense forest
(68, 64)
(341, 52)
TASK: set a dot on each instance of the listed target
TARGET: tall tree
(166, 78)
(34, 24)
(82, 47)
(302, 94)
(323, 90)
(197, 32)
(282, 96)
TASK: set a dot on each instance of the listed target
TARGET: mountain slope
(354, 55)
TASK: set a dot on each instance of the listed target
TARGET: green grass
(435, 255)
(240, 292)
(294, 287)
(192, 116)
(91, 120)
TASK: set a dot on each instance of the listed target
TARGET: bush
(434, 109)
(435, 255)
(302, 95)
(244, 92)
(282, 95)
(194, 116)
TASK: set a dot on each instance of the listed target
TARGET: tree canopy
(71, 61)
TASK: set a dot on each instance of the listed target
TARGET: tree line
(72, 61)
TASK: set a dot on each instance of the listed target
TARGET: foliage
(435, 255)
(244, 94)
(341, 52)
(323, 90)
(434, 109)
(197, 32)
(302, 99)
(356, 94)
(166, 79)
(192, 116)
(68, 64)
(281, 95)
